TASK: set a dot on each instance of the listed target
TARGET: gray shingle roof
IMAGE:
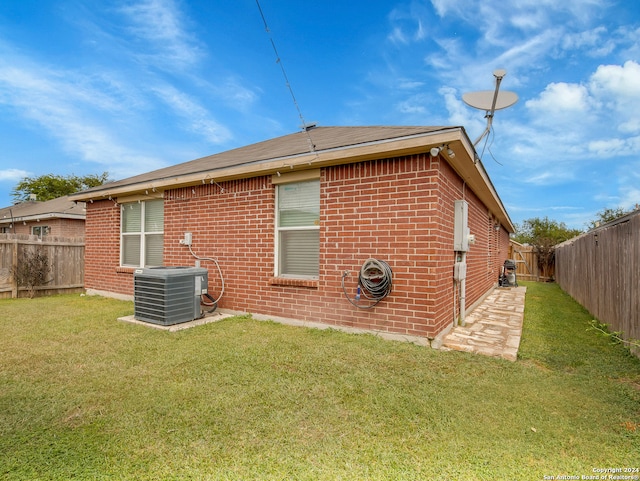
(60, 208)
(313, 148)
(299, 143)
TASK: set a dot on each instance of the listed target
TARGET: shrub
(32, 270)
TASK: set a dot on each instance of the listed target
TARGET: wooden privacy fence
(527, 263)
(601, 270)
(66, 260)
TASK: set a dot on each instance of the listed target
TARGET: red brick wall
(396, 210)
(22, 228)
(232, 222)
(102, 250)
(483, 258)
(382, 209)
(68, 228)
(57, 227)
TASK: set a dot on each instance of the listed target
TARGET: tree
(531, 231)
(543, 235)
(606, 215)
(51, 186)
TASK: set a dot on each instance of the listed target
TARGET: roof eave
(477, 178)
(307, 160)
(466, 163)
(41, 217)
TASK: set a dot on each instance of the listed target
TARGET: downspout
(13, 224)
(463, 289)
(463, 260)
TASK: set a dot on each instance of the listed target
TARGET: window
(298, 229)
(40, 230)
(142, 233)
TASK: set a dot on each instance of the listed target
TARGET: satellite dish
(483, 99)
(490, 101)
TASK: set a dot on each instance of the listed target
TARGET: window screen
(142, 233)
(298, 225)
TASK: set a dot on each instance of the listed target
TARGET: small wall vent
(169, 295)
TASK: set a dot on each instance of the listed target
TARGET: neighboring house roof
(60, 208)
(313, 148)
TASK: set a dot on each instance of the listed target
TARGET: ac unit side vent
(169, 295)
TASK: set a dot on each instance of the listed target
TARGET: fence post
(14, 269)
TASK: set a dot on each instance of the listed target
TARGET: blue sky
(88, 86)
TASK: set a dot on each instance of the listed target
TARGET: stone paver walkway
(493, 328)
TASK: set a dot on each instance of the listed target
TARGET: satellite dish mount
(490, 101)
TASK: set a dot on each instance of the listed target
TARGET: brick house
(292, 220)
(59, 217)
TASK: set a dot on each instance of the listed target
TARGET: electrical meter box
(459, 271)
(461, 226)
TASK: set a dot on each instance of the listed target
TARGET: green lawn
(83, 396)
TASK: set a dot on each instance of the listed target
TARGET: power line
(304, 125)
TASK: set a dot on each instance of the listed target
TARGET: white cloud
(524, 36)
(543, 178)
(630, 126)
(233, 93)
(408, 24)
(407, 84)
(600, 114)
(64, 108)
(577, 126)
(618, 88)
(629, 40)
(622, 81)
(521, 53)
(561, 98)
(197, 118)
(552, 173)
(13, 174)
(609, 147)
(629, 197)
(595, 42)
(161, 25)
(411, 106)
(397, 35)
(459, 113)
(528, 20)
(494, 17)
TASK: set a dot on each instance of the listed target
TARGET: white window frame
(143, 234)
(278, 230)
(40, 230)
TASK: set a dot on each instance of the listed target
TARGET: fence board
(601, 270)
(66, 259)
(527, 263)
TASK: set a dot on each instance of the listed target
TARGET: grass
(85, 397)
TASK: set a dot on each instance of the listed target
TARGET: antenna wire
(312, 147)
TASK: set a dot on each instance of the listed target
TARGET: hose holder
(375, 282)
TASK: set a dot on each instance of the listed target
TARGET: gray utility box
(168, 295)
(461, 226)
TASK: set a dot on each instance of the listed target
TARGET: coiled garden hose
(375, 281)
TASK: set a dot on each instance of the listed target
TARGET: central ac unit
(168, 295)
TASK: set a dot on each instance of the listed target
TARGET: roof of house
(60, 208)
(318, 139)
(313, 148)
